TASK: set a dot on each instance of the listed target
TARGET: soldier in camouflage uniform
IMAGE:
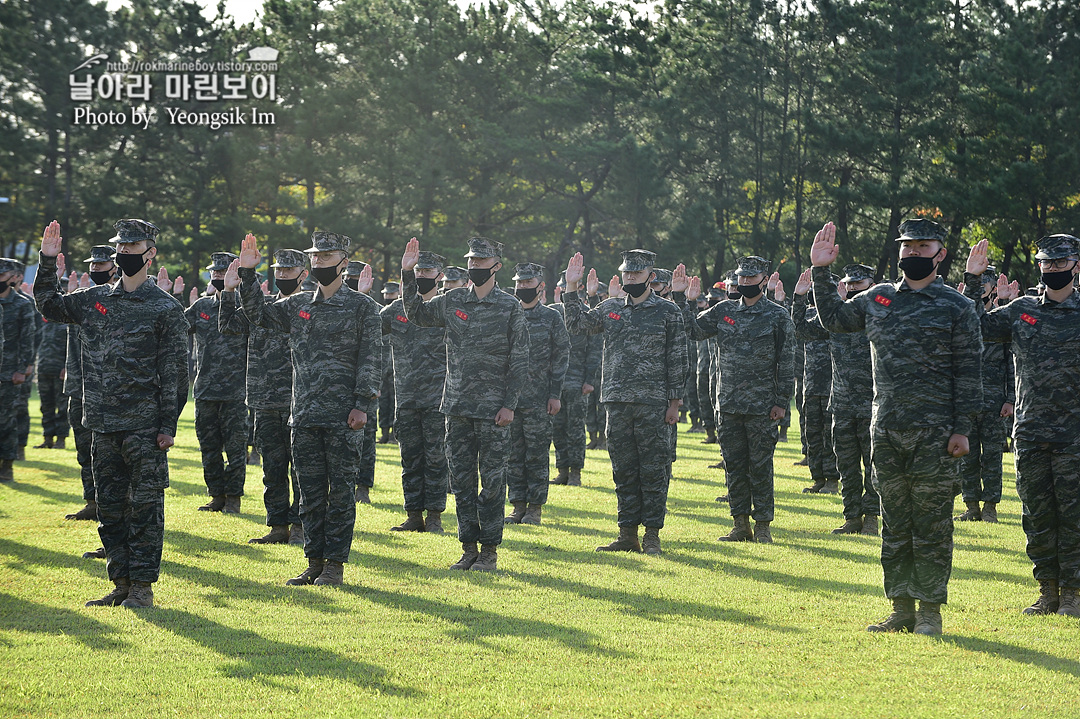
(419, 356)
(220, 379)
(391, 292)
(18, 346)
(50, 370)
(487, 362)
(541, 398)
(454, 277)
(134, 366)
(661, 287)
(982, 467)
(815, 417)
(755, 343)
(25, 389)
(924, 338)
(269, 394)
(334, 339)
(354, 271)
(644, 373)
(1044, 332)
(579, 384)
(358, 277)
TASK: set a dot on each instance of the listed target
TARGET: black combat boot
(296, 534)
(973, 513)
(1048, 602)
(902, 618)
(710, 436)
(47, 443)
(278, 534)
(89, 512)
(333, 574)
(362, 495)
(850, 526)
(414, 522)
(650, 543)
(216, 504)
(563, 476)
(627, 541)
(741, 531)
(309, 575)
(814, 488)
(113, 598)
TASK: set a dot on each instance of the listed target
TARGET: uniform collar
(934, 289)
(472, 298)
(315, 297)
(140, 293)
(652, 299)
(1071, 302)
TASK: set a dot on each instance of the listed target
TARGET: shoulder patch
(729, 320)
(204, 315)
(461, 315)
(614, 316)
(882, 300)
(304, 315)
(1028, 318)
(100, 308)
(402, 318)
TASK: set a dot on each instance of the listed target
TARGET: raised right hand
(51, 240)
(575, 270)
(411, 256)
(232, 276)
(824, 250)
(804, 283)
(977, 261)
(249, 252)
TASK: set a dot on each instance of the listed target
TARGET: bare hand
(557, 294)
(164, 441)
(774, 278)
(679, 281)
(693, 289)
(178, 285)
(84, 281)
(249, 252)
(357, 419)
(824, 250)
(17, 378)
(554, 405)
(51, 240)
(592, 283)
(265, 287)
(961, 287)
(575, 270)
(841, 289)
(778, 292)
(587, 389)
(1007, 409)
(804, 283)
(73, 281)
(958, 445)
(365, 281)
(614, 287)
(60, 265)
(193, 296)
(777, 413)
(163, 280)
(504, 417)
(411, 256)
(232, 276)
(672, 414)
(977, 261)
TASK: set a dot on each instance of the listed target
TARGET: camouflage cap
(453, 273)
(129, 231)
(328, 242)
(717, 293)
(17, 265)
(101, 253)
(753, 265)
(990, 274)
(391, 287)
(483, 247)
(528, 271)
(354, 268)
(220, 261)
(430, 261)
(857, 273)
(6, 265)
(290, 258)
(637, 260)
(921, 229)
(1057, 247)
(663, 276)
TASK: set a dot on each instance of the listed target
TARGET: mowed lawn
(707, 630)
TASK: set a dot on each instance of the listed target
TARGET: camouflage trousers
(425, 475)
(529, 466)
(705, 400)
(273, 439)
(639, 444)
(84, 439)
(222, 427)
(386, 402)
(366, 477)
(325, 461)
(478, 446)
(816, 425)
(799, 400)
(916, 479)
(851, 442)
(568, 430)
(595, 413)
(54, 411)
(1048, 482)
(9, 423)
(22, 411)
(748, 442)
(982, 466)
(131, 475)
(690, 398)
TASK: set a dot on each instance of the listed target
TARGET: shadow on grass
(252, 656)
(22, 616)
(1021, 655)
(50, 495)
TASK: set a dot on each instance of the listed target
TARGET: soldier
(982, 467)
(334, 341)
(487, 359)
(220, 413)
(25, 389)
(579, 384)
(358, 277)
(353, 272)
(269, 394)
(50, 370)
(924, 337)
(102, 272)
(133, 367)
(1044, 332)
(755, 343)
(419, 356)
(454, 277)
(391, 291)
(17, 355)
(644, 373)
(541, 398)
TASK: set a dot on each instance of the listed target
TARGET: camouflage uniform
(419, 356)
(817, 388)
(19, 338)
(133, 366)
(1044, 336)
(568, 426)
(705, 386)
(386, 388)
(927, 386)
(220, 378)
(269, 394)
(531, 430)
(334, 344)
(366, 477)
(756, 348)
(51, 358)
(644, 368)
(27, 387)
(487, 361)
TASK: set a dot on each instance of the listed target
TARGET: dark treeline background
(703, 130)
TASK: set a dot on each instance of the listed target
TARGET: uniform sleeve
(369, 360)
(386, 318)
(967, 370)
(271, 315)
(560, 356)
(785, 362)
(1010, 375)
(805, 331)
(594, 356)
(996, 325)
(578, 320)
(231, 320)
(678, 364)
(423, 314)
(699, 326)
(836, 315)
(518, 364)
(171, 368)
(51, 302)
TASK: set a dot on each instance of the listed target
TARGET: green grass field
(707, 630)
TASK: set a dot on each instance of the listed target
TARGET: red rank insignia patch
(882, 300)
(204, 315)
(729, 320)
(461, 315)
(100, 308)
(1028, 318)
(304, 315)
(614, 316)
(401, 318)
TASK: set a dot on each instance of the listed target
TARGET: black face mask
(749, 291)
(480, 276)
(325, 276)
(526, 294)
(733, 295)
(917, 268)
(352, 282)
(852, 294)
(130, 264)
(636, 290)
(1057, 280)
(287, 287)
(4, 286)
(219, 284)
(425, 284)
(101, 277)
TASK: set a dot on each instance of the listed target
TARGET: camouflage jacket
(269, 360)
(1044, 337)
(73, 364)
(644, 357)
(817, 363)
(487, 346)
(134, 363)
(586, 351)
(19, 334)
(220, 360)
(549, 355)
(39, 324)
(52, 352)
(419, 357)
(704, 356)
(926, 350)
(755, 353)
(335, 345)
